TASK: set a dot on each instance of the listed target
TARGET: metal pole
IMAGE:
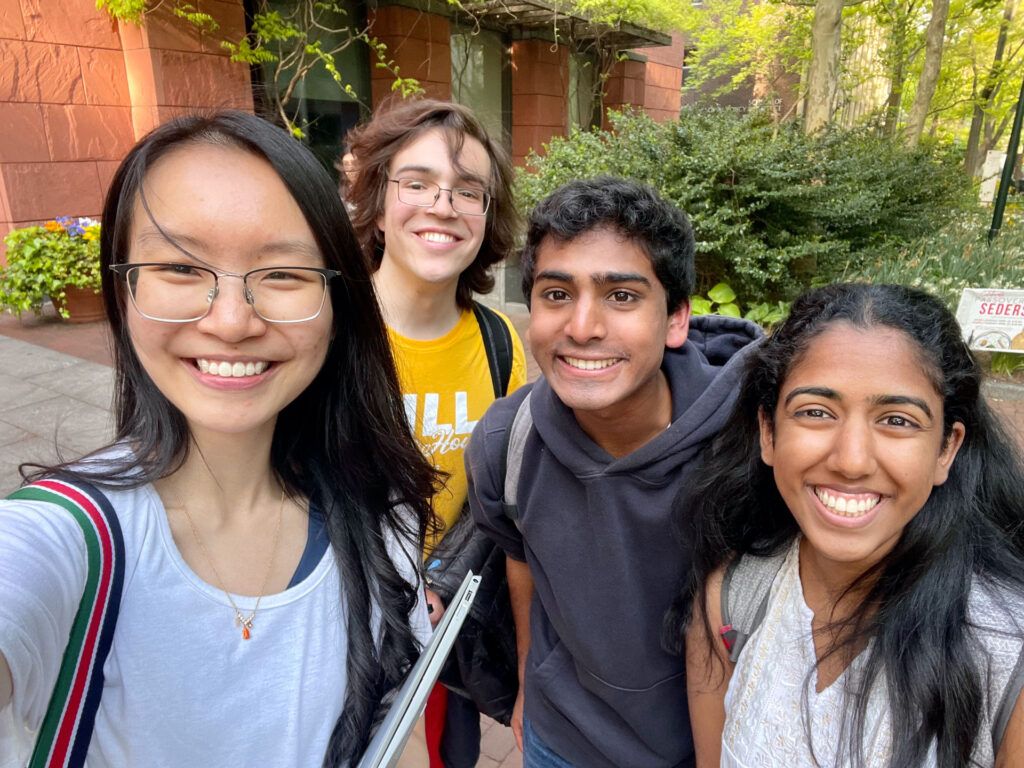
(1007, 178)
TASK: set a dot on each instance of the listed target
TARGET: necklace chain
(241, 620)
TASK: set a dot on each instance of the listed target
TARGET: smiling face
(432, 246)
(230, 372)
(857, 444)
(599, 324)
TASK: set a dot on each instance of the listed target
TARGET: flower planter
(44, 260)
(82, 305)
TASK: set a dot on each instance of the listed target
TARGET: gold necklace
(245, 622)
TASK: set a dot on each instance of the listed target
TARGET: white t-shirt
(182, 688)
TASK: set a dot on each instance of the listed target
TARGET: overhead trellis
(537, 16)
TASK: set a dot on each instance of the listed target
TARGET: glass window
(584, 106)
(317, 103)
(480, 78)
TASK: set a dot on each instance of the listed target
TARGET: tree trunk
(896, 77)
(823, 74)
(897, 58)
(934, 37)
(974, 155)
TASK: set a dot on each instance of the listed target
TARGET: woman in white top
(270, 501)
(862, 458)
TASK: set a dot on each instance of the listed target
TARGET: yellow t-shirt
(446, 385)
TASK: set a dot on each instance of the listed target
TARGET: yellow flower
(53, 226)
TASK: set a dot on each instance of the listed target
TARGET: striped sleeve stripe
(67, 727)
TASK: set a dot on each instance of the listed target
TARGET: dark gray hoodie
(597, 534)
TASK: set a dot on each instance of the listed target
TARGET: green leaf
(757, 313)
(125, 10)
(700, 306)
(722, 293)
(729, 310)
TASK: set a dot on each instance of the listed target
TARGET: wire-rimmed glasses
(175, 292)
(472, 201)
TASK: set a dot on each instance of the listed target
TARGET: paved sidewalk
(53, 405)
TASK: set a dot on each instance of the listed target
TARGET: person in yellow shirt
(433, 212)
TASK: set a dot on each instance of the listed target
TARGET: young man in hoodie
(633, 390)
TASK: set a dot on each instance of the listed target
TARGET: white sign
(990, 173)
(992, 319)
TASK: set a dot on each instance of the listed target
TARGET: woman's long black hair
(343, 443)
(915, 599)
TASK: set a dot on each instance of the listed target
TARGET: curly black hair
(630, 208)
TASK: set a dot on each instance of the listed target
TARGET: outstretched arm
(708, 671)
(43, 573)
(520, 592)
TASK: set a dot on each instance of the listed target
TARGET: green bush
(772, 209)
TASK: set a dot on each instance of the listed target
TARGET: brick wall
(419, 43)
(78, 89)
(174, 69)
(661, 91)
(625, 86)
(664, 79)
(540, 87)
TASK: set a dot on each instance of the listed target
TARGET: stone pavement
(52, 405)
(55, 396)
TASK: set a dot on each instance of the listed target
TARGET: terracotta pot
(83, 305)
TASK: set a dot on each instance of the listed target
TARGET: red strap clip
(728, 635)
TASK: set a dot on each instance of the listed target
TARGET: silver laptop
(387, 744)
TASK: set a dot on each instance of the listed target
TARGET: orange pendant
(246, 634)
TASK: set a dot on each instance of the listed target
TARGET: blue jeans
(460, 740)
(536, 753)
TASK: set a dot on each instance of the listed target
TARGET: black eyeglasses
(472, 201)
(176, 292)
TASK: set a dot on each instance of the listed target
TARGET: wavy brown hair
(390, 130)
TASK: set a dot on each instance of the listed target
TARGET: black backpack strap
(498, 345)
(67, 726)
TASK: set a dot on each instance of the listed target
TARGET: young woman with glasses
(271, 500)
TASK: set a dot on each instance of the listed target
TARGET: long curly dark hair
(915, 600)
(343, 443)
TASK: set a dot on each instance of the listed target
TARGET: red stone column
(65, 119)
(625, 87)
(174, 69)
(419, 44)
(540, 88)
(77, 89)
(663, 79)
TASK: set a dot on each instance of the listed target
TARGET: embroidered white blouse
(771, 704)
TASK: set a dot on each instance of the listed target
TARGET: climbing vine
(290, 41)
